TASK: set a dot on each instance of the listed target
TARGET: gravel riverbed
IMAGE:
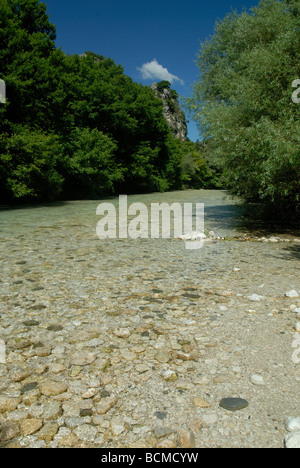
(134, 343)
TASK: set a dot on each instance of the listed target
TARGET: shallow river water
(108, 320)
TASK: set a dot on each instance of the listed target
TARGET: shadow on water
(252, 219)
(32, 206)
(54, 204)
(292, 252)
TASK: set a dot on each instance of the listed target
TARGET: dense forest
(243, 103)
(77, 126)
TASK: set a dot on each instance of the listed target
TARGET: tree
(106, 133)
(242, 101)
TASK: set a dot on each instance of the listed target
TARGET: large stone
(117, 426)
(291, 294)
(162, 356)
(18, 374)
(9, 431)
(257, 380)
(169, 375)
(8, 404)
(200, 403)
(48, 432)
(30, 426)
(106, 405)
(292, 441)
(52, 388)
(233, 404)
(161, 432)
(86, 432)
(186, 439)
(82, 358)
(52, 411)
(293, 424)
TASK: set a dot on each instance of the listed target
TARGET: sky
(153, 40)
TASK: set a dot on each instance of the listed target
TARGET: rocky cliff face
(172, 111)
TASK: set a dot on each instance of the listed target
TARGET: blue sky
(153, 40)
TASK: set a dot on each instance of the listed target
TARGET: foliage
(163, 85)
(197, 171)
(28, 162)
(75, 126)
(242, 101)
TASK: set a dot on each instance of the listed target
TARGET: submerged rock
(233, 404)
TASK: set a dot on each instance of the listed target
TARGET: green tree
(89, 166)
(107, 133)
(242, 101)
(28, 165)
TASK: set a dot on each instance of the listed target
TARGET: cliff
(172, 111)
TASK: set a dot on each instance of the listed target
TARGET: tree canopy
(242, 101)
(75, 125)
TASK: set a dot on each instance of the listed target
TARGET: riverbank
(134, 343)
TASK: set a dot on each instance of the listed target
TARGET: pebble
(106, 405)
(52, 388)
(186, 439)
(169, 375)
(83, 358)
(292, 441)
(30, 426)
(292, 424)
(292, 294)
(117, 426)
(297, 326)
(86, 432)
(200, 403)
(122, 332)
(257, 380)
(233, 404)
(48, 431)
(255, 298)
(161, 432)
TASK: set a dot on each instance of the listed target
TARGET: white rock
(292, 294)
(297, 326)
(255, 298)
(292, 424)
(257, 380)
(117, 426)
(274, 239)
(292, 441)
(195, 235)
(210, 418)
(122, 332)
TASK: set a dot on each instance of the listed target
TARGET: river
(105, 320)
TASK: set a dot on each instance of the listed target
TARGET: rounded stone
(52, 388)
(82, 359)
(257, 380)
(293, 424)
(30, 426)
(86, 432)
(233, 404)
(292, 441)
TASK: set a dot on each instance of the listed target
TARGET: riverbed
(134, 342)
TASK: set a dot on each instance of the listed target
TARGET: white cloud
(154, 71)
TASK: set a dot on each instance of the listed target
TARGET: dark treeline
(76, 126)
